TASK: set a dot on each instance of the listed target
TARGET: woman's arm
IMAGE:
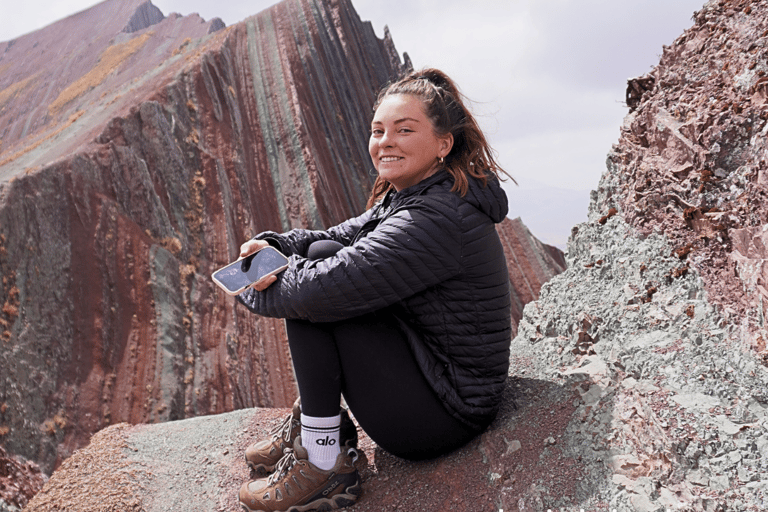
(408, 252)
(297, 241)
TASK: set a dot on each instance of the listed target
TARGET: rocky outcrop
(198, 463)
(661, 310)
(691, 158)
(143, 17)
(216, 25)
(19, 481)
(148, 179)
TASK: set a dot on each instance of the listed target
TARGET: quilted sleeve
(296, 241)
(413, 249)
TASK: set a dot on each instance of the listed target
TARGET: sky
(546, 77)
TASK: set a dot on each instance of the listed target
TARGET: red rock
(531, 263)
(19, 480)
(692, 154)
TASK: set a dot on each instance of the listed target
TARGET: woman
(405, 310)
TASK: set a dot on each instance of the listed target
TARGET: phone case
(237, 276)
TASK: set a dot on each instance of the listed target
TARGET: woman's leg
(388, 394)
(316, 363)
(318, 374)
(369, 359)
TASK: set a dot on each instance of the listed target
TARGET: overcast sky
(547, 76)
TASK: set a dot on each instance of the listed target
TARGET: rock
(531, 264)
(20, 480)
(198, 464)
(671, 283)
(143, 17)
(216, 25)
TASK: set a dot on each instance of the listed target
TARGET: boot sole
(261, 470)
(345, 499)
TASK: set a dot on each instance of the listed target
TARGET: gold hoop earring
(442, 160)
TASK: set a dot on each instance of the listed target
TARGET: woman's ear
(446, 144)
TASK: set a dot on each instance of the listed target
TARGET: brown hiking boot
(297, 485)
(263, 456)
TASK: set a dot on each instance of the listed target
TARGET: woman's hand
(263, 284)
(250, 247)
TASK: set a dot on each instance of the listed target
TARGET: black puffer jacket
(435, 260)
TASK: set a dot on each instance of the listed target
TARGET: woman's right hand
(250, 247)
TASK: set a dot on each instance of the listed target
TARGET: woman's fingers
(265, 283)
(252, 246)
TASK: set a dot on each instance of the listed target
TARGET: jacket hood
(489, 199)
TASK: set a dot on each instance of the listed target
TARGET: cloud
(567, 159)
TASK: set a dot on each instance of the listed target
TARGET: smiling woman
(404, 310)
(404, 147)
(429, 105)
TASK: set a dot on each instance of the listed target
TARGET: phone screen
(239, 275)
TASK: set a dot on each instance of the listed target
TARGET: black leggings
(368, 360)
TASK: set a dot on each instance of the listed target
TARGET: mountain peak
(145, 15)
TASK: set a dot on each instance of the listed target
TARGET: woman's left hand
(250, 247)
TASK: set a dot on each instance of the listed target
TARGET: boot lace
(282, 467)
(284, 429)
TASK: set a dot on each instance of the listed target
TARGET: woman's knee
(322, 249)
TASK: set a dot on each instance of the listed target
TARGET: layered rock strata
(530, 262)
(143, 17)
(110, 229)
(60, 84)
(135, 164)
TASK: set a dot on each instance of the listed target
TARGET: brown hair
(443, 104)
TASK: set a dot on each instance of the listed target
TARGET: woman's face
(403, 144)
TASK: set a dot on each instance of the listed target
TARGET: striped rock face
(135, 163)
(137, 152)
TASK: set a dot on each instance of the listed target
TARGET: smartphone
(239, 275)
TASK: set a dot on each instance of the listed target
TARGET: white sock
(320, 436)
